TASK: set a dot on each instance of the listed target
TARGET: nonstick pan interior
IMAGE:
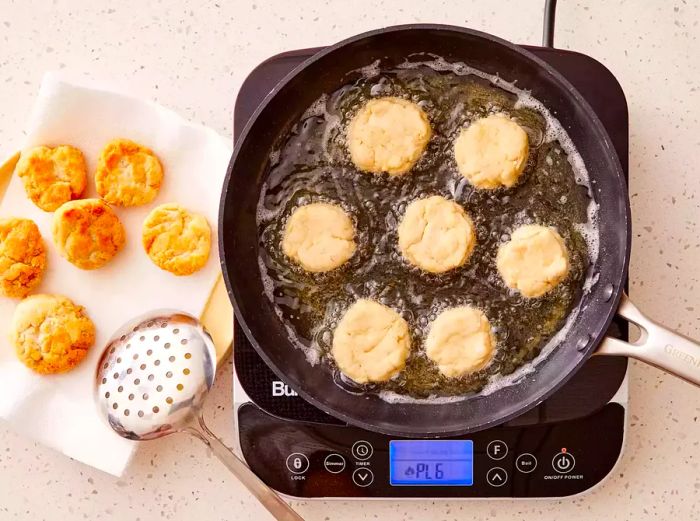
(326, 72)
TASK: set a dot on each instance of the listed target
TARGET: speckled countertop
(193, 56)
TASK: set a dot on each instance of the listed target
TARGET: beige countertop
(193, 56)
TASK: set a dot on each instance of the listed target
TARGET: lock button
(297, 463)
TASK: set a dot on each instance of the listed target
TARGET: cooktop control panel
(311, 460)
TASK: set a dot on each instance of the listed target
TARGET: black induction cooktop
(564, 446)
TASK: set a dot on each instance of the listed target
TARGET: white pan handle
(657, 345)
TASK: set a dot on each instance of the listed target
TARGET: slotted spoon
(152, 380)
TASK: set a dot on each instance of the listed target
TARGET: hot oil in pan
(313, 165)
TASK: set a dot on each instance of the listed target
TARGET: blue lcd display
(431, 462)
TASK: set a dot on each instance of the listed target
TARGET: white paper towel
(59, 410)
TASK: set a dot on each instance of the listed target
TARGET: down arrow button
(363, 477)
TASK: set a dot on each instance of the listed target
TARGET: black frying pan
(327, 71)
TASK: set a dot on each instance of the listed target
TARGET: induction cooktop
(563, 447)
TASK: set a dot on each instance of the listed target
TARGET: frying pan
(239, 242)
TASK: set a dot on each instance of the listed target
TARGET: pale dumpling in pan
(534, 261)
(319, 237)
(388, 135)
(492, 152)
(436, 234)
(371, 342)
(460, 341)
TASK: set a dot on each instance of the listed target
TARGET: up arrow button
(496, 477)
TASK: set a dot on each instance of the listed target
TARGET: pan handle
(657, 345)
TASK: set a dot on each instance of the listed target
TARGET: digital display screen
(431, 462)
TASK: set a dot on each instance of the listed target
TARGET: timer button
(297, 463)
(362, 450)
(496, 477)
(497, 450)
(526, 463)
(563, 462)
(363, 477)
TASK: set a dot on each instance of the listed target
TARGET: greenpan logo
(682, 355)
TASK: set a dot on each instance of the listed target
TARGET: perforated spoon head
(154, 375)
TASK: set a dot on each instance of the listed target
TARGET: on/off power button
(563, 462)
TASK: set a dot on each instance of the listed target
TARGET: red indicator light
(563, 450)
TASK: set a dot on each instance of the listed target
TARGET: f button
(497, 450)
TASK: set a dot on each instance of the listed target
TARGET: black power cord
(550, 7)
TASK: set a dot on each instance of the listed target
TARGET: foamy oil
(312, 164)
